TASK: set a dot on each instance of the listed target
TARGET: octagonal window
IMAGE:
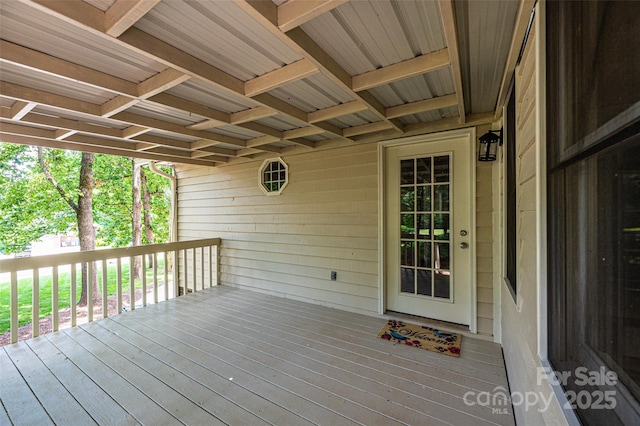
(274, 176)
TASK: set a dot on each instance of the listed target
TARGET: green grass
(25, 291)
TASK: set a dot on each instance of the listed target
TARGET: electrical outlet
(334, 275)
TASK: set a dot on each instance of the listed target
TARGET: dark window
(593, 123)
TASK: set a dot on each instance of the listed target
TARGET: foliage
(30, 207)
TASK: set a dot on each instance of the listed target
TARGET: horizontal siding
(325, 220)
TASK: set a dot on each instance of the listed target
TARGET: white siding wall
(520, 321)
(325, 220)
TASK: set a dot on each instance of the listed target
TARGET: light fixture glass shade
(488, 146)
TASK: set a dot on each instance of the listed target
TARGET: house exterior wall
(521, 323)
(325, 220)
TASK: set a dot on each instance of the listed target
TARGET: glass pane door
(425, 226)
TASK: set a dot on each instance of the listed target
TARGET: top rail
(194, 265)
(26, 263)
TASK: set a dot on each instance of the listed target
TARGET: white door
(428, 225)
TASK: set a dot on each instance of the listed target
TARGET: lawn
(25, 290)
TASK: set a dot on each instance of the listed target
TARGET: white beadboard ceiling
(209, 82)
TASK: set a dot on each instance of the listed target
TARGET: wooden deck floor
(228, 356)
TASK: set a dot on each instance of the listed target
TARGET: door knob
(464, 245)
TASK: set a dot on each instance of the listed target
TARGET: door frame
(470, 134)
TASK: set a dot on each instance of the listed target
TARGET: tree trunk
(136, 221)
(84, 216)
(86, 230)
(146, 204)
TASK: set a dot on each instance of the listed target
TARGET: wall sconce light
(488, 147)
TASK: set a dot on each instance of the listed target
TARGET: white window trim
(261, 169)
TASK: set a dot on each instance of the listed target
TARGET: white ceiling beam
(419, 65)
(294, 13)
(20, 108)
(27, 58)
(104, 148)
(252, 114)
(206, 124)
(422, 106)
(133, 131)
(367, 128)
(66, 124)
(160, 82)
(123, 14)
(279, 77)
(301, 132)
(336, 111)
(28, 94)
(63, 134)
(451, 35)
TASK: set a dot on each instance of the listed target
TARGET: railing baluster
(74, 291)
(54, 298)
(202, 266)
(35, 303)
(166, 276)
(155, 278)
(105, 293)
(144, 280)
(183, 273)
(119, 285)
(132, 285)
(210, 266)
(14, 306)
(194, 270)
(90, 266)
(176, 274)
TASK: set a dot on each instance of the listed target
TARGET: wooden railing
(186, 266)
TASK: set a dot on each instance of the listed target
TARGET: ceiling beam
(422, 106)
(28, 94)
(451, 35)
(336, 111)
(20, 108)
(27, 58)
(265, 13)
(367, 128)
(123, 14)
(294, 13)
(279, 77)
(301, 132)
(252, 114)
(105, 148)
(419, 65)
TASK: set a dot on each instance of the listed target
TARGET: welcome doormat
(422, 337)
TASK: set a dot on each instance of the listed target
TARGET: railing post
(144, 280)
(166, 276)
(155, 278)
(90, 266)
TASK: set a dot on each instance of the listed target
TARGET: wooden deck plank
(476, 350)
(181, 408)
(242, 377)
(463, 367)
(95, 401)
(312, 373)
(59, 404)
(134, 401)
(21, 405)
(433, 399)
(220, 395)
(231, 356)
(227, 352)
